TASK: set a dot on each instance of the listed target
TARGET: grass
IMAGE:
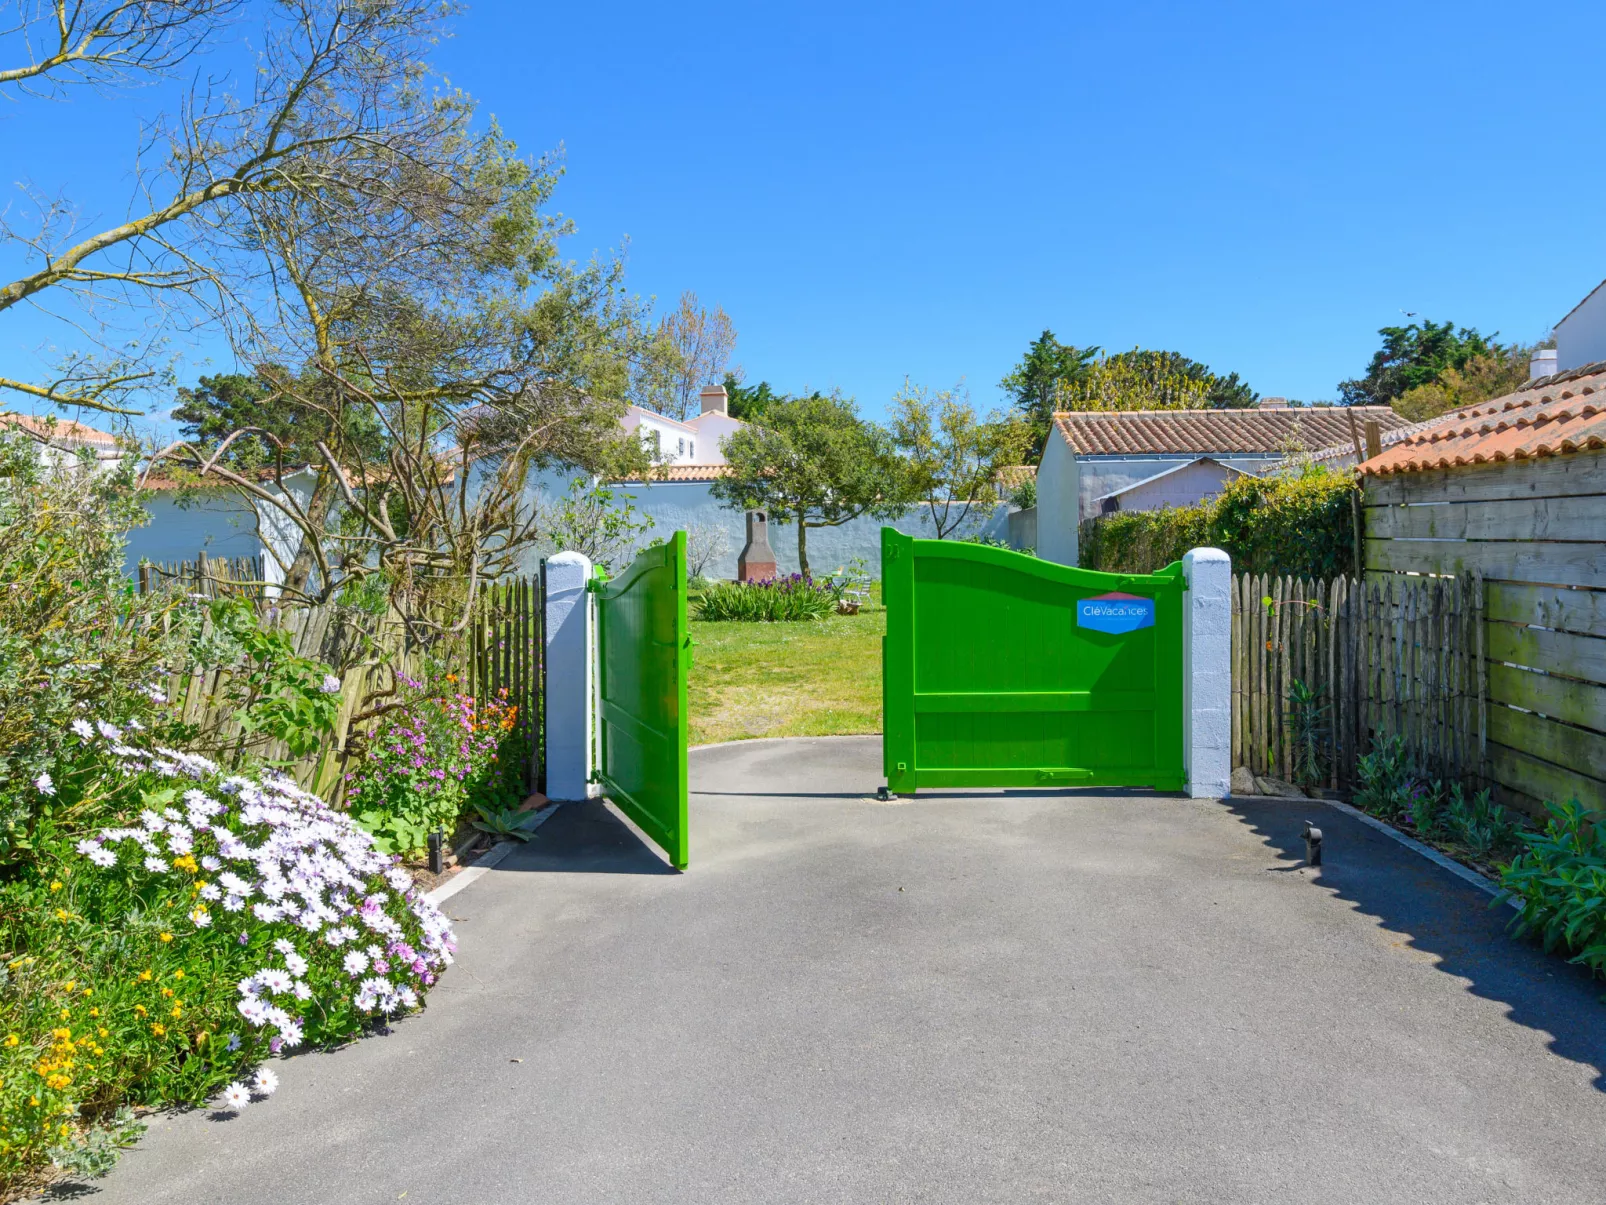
(808, 678)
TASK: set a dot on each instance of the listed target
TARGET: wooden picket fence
(501, 655)
(205, 575)
(1393, 656)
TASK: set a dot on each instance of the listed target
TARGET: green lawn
(820, 678)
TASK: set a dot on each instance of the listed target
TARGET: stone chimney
(714, 399)
(1542, 364)
(1272, 403)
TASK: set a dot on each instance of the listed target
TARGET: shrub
(1387, 780)
(1559, 881)
(783, 599)
(1484, 828)
(1296, 522)
(1024, 495)
(74, 636)
(219, 920)
(437, 755)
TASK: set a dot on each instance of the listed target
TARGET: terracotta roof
(1553, 416)
(64, 432)
(1207, 432)
(1346, 447)
(684, 472)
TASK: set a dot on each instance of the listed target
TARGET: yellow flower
(158, 1028)
(166, 937)
(94, 1012)
(63, 1034)
(12, 1039)
(144, 976)
(71, 984)
(178, 974)
(65, 1013)
(186, 862)
(58, 1082)
(65, 1129)
(103, 1032)
(89, 991)
(178, 1010)
(167, 993)
(34, 1101)
(60, 915)
(139, 1010)
(55, 885)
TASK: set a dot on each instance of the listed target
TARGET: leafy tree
(1137, 380)
(953, 457)
(1412, 356)
(1492, 374)
(814, 463)
(1036, 384)
(748, 402)
(694, 347)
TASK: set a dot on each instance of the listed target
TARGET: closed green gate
(1002, 670)
(642, 656)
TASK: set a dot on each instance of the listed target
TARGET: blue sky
(875, 190)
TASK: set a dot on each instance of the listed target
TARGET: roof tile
(1206, 432)
(1553, 416)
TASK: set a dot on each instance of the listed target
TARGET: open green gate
(643, 654)
(1002, 670)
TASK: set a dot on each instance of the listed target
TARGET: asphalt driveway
(982, 997)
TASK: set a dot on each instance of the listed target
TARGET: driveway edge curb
(484, 862)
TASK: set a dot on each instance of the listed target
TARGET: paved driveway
(965, 998)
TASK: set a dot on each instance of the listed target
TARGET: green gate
(643, 652)
(1002, 670)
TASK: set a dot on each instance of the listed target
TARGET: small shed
(1514, 490)
(1095, 455)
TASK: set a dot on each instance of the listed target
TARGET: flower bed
(160, 959)
(780, 600)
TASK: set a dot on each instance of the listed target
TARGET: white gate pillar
(570, 636)
(1207, 673)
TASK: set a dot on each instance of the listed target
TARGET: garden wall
(1535, 531)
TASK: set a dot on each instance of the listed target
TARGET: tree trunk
(323, 497)
(802, 544)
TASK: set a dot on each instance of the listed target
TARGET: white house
(61, 440)
(693, 441)
(1097, 462)
(1580, 337)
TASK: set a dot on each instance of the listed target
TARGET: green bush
(1297, 522)
(781, 600)
(1559, 881)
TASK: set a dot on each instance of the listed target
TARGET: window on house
(692, 449)
(680, 447)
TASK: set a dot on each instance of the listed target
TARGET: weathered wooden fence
(1535, 531)
(204, 575)
(499, 656)
(1321, 669)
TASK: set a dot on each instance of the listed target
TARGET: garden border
(486, 861)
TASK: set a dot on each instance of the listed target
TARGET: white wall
(220, 524)
(712, 427)
(1058, 491)
(1200, 480)
(1581, 335)
(686, 505)
(1102, 475)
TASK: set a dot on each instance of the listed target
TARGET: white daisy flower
(102, 857)
(108, 731)
(155, 865)
(301, 990)
(44, 785)
(233, 903)
(82, 728)
(264, 1082)
(296, 963)
(212, 864)
(211, 892)
(355, 963)
(274, 980)
(236, 1096)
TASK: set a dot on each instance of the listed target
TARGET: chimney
(714, 399)
(1272, 403)
(1542, 364)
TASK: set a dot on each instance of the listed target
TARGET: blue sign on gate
(1115, 612)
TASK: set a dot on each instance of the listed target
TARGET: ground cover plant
(780, 600)
(1559, 883)
(1468, 825)
(177, 926)
(787, 679)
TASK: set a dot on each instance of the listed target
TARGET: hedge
(1299, 523)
